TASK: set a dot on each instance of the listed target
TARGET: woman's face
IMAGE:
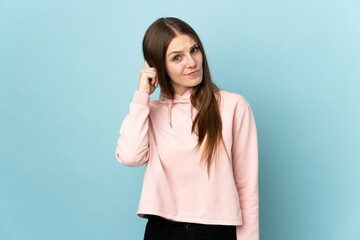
(184, 63)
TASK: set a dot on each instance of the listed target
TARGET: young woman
(199, 144)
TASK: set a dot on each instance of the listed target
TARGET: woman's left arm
(245, 167)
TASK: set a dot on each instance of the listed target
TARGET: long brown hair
(207, 123)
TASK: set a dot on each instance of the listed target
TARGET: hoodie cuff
(140, 97)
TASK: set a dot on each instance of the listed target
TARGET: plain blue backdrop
(68, 71)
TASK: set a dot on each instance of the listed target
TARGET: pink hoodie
(175, 185)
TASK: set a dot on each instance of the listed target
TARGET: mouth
(194, 73)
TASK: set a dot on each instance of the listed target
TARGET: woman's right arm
(132, 148)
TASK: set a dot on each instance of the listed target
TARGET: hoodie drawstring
(169, 112)
(184, 99)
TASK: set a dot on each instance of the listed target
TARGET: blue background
(68, 70)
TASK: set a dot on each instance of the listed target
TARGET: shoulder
(157, 106)
(233, 102)
(233, 98)
(154, 105)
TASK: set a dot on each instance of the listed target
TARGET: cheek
(174, 71)
(200, 59)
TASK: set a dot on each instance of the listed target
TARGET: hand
(148, 79)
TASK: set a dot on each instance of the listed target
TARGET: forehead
(180, 43)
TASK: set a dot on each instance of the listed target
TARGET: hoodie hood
(178, 99)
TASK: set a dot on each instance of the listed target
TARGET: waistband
(185, 225)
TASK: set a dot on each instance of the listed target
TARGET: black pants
(158, 228)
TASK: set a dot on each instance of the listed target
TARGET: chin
(198, 81)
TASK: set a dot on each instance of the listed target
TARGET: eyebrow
(181, 51)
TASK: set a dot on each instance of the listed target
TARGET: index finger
(146, 64)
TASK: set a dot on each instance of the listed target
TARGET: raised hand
(148, 79)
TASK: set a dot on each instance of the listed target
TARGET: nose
(190, 63)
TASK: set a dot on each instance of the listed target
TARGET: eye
(194, 49)
(176, 58)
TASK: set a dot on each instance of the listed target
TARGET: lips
(193, 73)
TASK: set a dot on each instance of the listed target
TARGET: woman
(193, 125)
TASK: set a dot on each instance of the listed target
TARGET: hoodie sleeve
(245, 167)
(132, 148)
